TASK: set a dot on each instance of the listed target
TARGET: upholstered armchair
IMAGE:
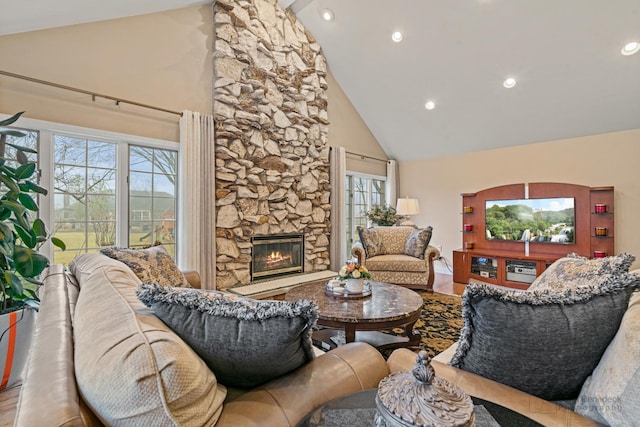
(399, 254)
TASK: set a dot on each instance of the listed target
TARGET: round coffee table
(362, 319)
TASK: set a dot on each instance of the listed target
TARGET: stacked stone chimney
(271, 125)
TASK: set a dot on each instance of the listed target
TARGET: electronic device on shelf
(484, 267)
(524, 272)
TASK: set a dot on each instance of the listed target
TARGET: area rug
(440, 322)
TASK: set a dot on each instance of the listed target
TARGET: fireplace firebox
(276, 255)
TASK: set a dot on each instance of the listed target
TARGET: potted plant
(20, 261)
(353, 275)
(382, 215)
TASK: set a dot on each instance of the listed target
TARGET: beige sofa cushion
(396, 263)
(130, 367)
(394, 238)
(611, 395)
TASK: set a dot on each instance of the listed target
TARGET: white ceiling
(572, 79)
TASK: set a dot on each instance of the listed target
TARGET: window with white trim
(104, 189)
(363, 192)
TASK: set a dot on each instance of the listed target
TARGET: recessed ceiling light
(630, 48)
(396, 37)
(327, 14)
(509, 82)
(429, 105)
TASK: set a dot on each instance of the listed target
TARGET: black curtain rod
(363, 156)
(87, 92)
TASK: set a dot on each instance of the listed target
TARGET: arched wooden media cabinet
(516, 263)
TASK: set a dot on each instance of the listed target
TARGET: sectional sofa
(159, 380)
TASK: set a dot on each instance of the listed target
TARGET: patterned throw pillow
(418, 241)
(245, 342)
(575, 271)
(151, 265)
(544, 343)
(371, 241)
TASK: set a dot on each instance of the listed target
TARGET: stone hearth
(271, 125)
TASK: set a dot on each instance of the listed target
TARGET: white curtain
(337, 244)
(196, 197)
(392, 183)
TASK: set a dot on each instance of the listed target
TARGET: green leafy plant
(382, 215)
(20, 236)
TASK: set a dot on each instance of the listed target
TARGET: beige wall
(347, 129)
(161, 59)
(599, 160)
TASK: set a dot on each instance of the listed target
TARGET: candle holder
(468, 209)
(601, 231)
(600, 208)
(468, 227)
(599, 254)
(468, 245)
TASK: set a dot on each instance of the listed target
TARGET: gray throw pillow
(574, 271)
(418, 241)
(544, 343)
(153, 264)
(371, 241)
(245, 342)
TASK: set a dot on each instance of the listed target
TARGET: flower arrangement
(382, 215)
(354, 271)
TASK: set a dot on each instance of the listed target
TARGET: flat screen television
(550, 220)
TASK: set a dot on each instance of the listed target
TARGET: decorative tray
(340, 292)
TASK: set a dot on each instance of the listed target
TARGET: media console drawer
(505, 269)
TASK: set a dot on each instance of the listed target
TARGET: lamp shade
(407, 207)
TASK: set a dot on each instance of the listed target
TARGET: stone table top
(386, 303)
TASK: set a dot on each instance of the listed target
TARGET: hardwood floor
(443, 284)
(8, 403)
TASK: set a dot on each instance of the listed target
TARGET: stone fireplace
(271, 130)
(277, 255)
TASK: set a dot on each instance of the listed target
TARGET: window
(84, 192)
(104, 189)
(363, 192)
(152, 197)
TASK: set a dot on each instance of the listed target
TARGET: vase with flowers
(382, 215)
(354, 275)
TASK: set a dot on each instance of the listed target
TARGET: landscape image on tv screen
(534, 220)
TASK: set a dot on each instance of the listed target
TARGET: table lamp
(407, 207)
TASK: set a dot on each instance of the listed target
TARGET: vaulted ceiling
(572, 79)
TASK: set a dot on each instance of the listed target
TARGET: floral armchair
(399, 254)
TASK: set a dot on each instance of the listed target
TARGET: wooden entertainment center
(516, 263)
